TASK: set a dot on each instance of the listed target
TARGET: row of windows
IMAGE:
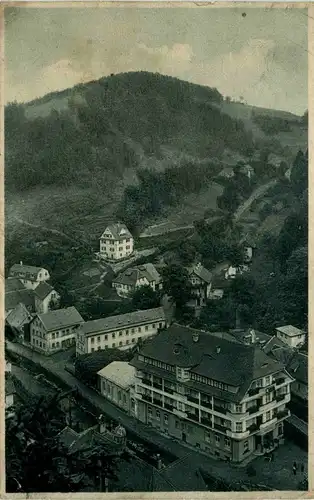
(127, 342)
(39, 343)
(208, 381)
(154, 362)
(124, 332)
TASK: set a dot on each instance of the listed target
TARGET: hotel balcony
(157, 386)
(168, 390)
(238, 435)
(206, 404)
(220, 409)
(193, 416)
(220, 428)
(191, 399)
(206, 421)
(283, 414)
(168, 406)
(180, 413)
(267, 426)
(253, 428)
(147, 398)
(146, 381)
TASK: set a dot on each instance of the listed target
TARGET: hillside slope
(70, 155)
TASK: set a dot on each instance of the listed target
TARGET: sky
(257, 53)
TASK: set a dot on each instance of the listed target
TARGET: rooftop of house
(123, 321)
(290, 330)
(273, 343)
(120, 373)
(28, 272)
(88, 440)
(20, 296)
(119, 231)
(9, 385)
(296, 363)
(18, 316)
(132, 275)
(43, 290)
(180, 475)
(13, 285)
(218, 359)
(250, 336)
(60, 318)
(226, 171)
(201, 272)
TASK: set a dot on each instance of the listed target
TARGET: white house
(122, 331)
(55, 330)
(128, 281)
(45, 298)
(290, 335)
(201, 281)
(116, 382)
(30, 276)
(116, 242)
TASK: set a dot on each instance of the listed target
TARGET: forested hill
(94, 132)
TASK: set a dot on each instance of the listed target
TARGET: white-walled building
(116, 242)
(201, 282)
(291, 335)
(30, 276)
(122, 331)
(55, 330)
(45, 298)
(116, 382)
(129, 280)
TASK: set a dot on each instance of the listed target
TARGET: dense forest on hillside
(108, 123)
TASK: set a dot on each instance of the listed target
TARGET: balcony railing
(168, 406)
(146, 397)
(157, 402)
(253, 409)
(168, 390)
(220, 428)
(157, 386)
(206, 421)
(280, 397)
(280, 380)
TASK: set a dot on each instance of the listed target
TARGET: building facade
(224, 398)
(46, 298)
(128, 281)
(116, 243)
(290, 335)
(55, 330)
(30, 276)
(116, 382)
(122, 331)
(201, 283)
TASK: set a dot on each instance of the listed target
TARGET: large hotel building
(221, 397)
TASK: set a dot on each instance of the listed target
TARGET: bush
(251, 471)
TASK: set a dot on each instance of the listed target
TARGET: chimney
(21, 263)
(195, 337)
(253, 336)
(159, 462)
(218, 349)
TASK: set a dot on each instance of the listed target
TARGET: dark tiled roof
(18, 316)
(235, 364)
(42, 290)
(123, 320)
(60, 318)
(88, 440)
(273, 343)
(296, 363)
(23, 296)
(132, 275)
(118, 231)
(137, 475)
(9, 385)
(13, 285)
(202, 273)
(128, 277)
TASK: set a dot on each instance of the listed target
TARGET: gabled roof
(202, 273)
(22, 296)
(88, 440)
(273, 343)
(13, 285)
(296, 363)
(18, 316)
(60, 318)
(123, 321)
(43, 290)
(132, 275)
(120, 373)
(27, 272)
(290, 330)
(230, 363)
(119, 231)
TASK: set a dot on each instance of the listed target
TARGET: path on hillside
(260, 191)
(43, 228)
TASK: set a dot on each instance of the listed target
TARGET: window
(217, 439)
(154, 326)
(57, 335)
(92, 340)
(207, 437)
(158, 415)
(133, 340)
(40, 344)
(177, 424)
(120, 334)
(126, 332)
(113, 345)
(53, 335)
(127, 341)
(139, 338)
(160, 325)
(120, 343)
(268, 398)
(132, 331)
(53, 345)
(106, 337)
(146, 327)
(227, 443)
(57, 344)
(149, 411)
(139, 329)
(245, 446)
(238, 408)
(238, 426)
(98, 339)
(166, 419)
(113, 335)
(268, 416)
(267, 380)
(92, 349)
(98, 348)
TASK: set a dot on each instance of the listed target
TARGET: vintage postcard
(156, 248)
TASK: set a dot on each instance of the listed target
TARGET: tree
(145, 297)
(186, 252)
(176, 284)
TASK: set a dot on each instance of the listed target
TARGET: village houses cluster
(225, 394)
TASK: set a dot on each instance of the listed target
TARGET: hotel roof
(60, 318)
